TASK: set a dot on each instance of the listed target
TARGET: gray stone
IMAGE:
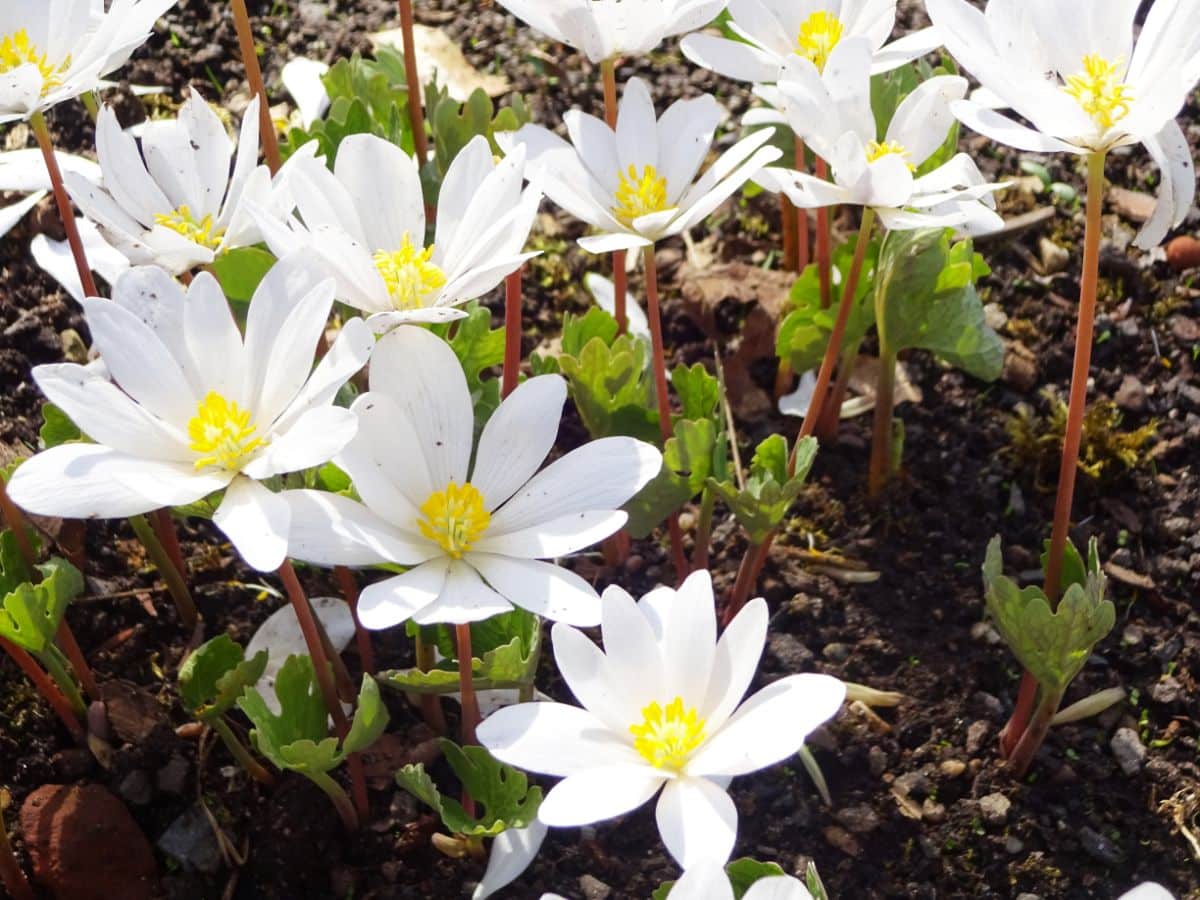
(994, 809)
(136, 788)
(1131, 395)
(190, 841)
(1129, 751)
(859, 819)
(977, 733)
(1166, 691)
(877, 760)
(914, 784)
(593, 888)
(1100, 848)
(1013, 846)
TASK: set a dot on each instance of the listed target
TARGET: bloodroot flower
(476, 534)
(661, 712)
(193, 407)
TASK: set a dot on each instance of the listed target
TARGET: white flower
(1070, 68)
(193, 407)
(831, 111)
(476, 535)
(708, 881)
(1148, 890)
(303, 79)
(512, 852)
(605, 293)
(365, 221)
(55, 50)
(774, 31)
(24, 171)
(56, 259)
(661, 711)
(604, 29)
(638, 184)
(175, 204)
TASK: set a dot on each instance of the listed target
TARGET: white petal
(598, 794)
(12, 214)
(125, 175)
(382, 323)
(464, 598)
(610, 243)
(256, 521)
(315, 438)
(389, 602)
(518, 437)
(605, 293)
(1000, 128)
(287, 369)
(553, 739)
(383, 184)
(923, 118)
(330, 530)
(558, 537)
(697, 821)
(212, 150)
(386, 462)
(685, 134)
(777, 887)
(770, 726)
(585, 669)
(687, 626)
(634, 655)
(213, 340)
(301, 78)
(637, 133)
(540, 587)
(704, 881)
(736, 660)
(512, 853)
(349, 353)
(1173, 155)
(733, 59)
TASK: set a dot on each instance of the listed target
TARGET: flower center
(411, 279)
(666, 738)
(17, 50)
(201, 232)
(877, 150)
(454, 518)
(223, 432)
(1098, 89)
(819, 34)
(638, 196)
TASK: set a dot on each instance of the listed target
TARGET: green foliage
(505, 652)
(742, 873)
(503, 792)
(805, 330)
(216, 674)
(925, 298)
(298, 737)
(578, 331)
(240, 271)
(366, 96)
(13, 571)
(769, 493)
(455, 124)
(57, 427)
(694, 455)
(697, 390)
(612, 388)
(478, 347)
(1053, 644)
(31, 613)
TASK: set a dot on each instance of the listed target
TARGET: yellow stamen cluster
(1099, 91)
(639, 195)
(454, 518)
(819, 34)
(411, 279)
(223, 432)
(877, 150)
(666, 738)
(17, 50)
(201, 232)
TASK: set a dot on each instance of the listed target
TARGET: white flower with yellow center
(661, 711)
(55, 50)
(365, 221)
(604, 29)
(831, 111)
(1070, 68)
(775, 31)
(194, 407)
(637, 185)
(476, 534)
(178, 203)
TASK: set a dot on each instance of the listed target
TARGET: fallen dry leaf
(440, 59)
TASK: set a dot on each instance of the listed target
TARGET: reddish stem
(512, 334)
(266, 127)
(366, 652)
(751, 566)
(65, 211)
(168, 536)
(416, 110)
(71, 649)
(46, 687)
(469, 702)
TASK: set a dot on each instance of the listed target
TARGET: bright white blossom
(709, 882)
(175, 204)
(661, 712)
(512, 852)
(55, 50)
(604, 29)
(192, 407)
(476, 535)
(365, 221)
(831, 111)
(774, 31)
(1070, 68)
(605, 294)
(637, 184)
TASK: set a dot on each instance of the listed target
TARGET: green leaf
(31, 613)
(13, 570)
(509, 665)
(298, 737)
(502, 792)
(578, 331)
(925, 298)
(687, 466)
(1052, 644)
(762, 505)
(370, 718)
(57, 427)
(334, 480)
(1074, 570)
(612, 389)
(240, 271)
(742, 874)
(698, 392)
(216, 674)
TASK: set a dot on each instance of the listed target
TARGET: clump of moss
(1036, 441)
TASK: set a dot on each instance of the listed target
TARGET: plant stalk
(178, 588)
(46, 688)
(74, 654)
(469, 702)
(512, 334)
(54, 661)
(416, 110)
(431, 704)
(17, 524)
(788, 221)
(824, 257)
(238, 750)
(881, 439)
(337, 794)
(802, 237)
(12, 876)
(168, 536)
(1035, 733)
(1073, 437)
(608, 74)
(708, 502)
(38, 123)
(658, 350)
(751, 566)
(266, 127)
(831, 416)
(366, 652)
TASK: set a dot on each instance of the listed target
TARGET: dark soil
(907, 784)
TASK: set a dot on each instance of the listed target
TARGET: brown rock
(1183, 253)
(1131, 395)
(1135, 206)
(1020, 367)
(84, 845)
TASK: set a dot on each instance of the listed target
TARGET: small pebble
(859, 819)
(1099, 848)
(952, 768)
(836, 652)
(1013, 846)
(994, 809)
(593, 888)
(932, 811)
(877, 760)
(977, 733)
(1129, 751)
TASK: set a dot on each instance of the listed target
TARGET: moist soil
(897, 606)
